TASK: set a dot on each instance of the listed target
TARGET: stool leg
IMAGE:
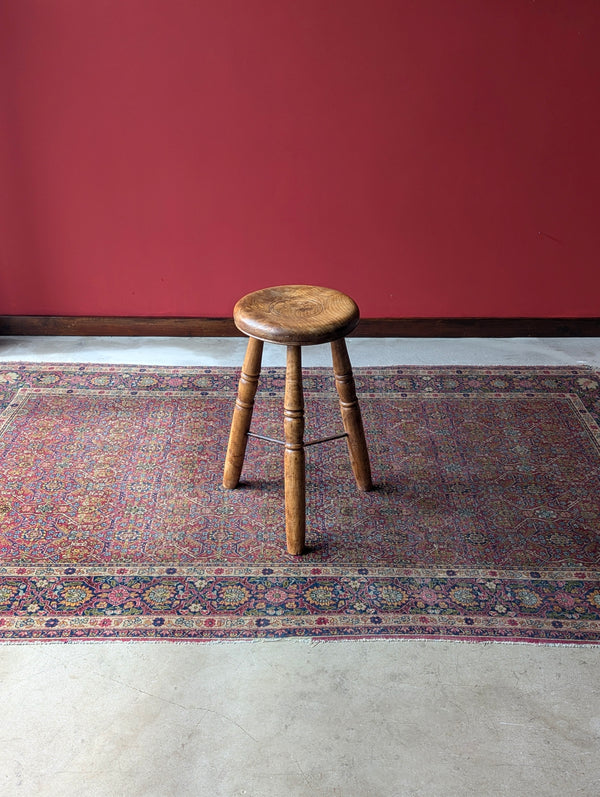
(294, 461)
(351, 417)
(242, 413)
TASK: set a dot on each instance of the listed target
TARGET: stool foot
(294, 459)
(351, 416)
(242, 414)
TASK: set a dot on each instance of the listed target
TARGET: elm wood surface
(301, 315)
(351, 415)
(242, 413)
(296, 315)
(294, 457)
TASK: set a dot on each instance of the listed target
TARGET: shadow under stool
(296, 316)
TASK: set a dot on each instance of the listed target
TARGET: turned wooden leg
(242, 413)
(293, 424)
(351, 417)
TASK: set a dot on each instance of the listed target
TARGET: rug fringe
(304, 641)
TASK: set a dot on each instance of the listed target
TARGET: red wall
(432, 158)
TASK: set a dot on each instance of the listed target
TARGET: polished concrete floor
(347, 719)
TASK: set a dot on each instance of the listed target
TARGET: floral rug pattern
(484, 522)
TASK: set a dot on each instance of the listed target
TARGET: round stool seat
(300, 315)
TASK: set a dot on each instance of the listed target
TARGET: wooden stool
(296, 316)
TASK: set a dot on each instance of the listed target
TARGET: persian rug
(484, 523)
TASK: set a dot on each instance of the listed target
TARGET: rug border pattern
(35, 625)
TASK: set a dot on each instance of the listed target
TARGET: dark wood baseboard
(119, 326)
(367, 328)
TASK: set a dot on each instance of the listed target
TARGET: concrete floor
(289, 717)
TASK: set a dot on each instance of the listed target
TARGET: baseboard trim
(117, 326)
(368, 327)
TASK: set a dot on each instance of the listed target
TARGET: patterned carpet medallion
(484, 523)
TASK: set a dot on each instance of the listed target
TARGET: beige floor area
(288, 717)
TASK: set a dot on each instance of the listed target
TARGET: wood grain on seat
(300, 315)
